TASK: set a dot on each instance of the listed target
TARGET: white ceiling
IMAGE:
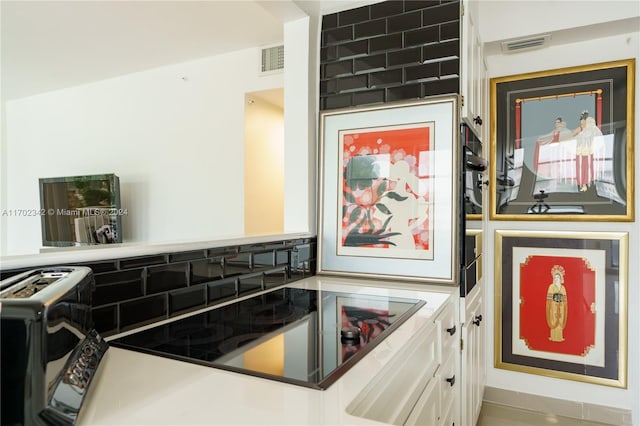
(50, 44)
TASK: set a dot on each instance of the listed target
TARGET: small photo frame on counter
(562, 144)
(388, 184)
(561, 305)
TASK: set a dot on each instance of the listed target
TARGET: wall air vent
(272, 59)
(537, 42)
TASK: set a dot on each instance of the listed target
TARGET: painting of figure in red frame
(558, 304)
(561, 304)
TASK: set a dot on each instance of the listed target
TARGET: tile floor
(501, 415)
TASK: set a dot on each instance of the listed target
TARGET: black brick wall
(389, 51)
(131, 292)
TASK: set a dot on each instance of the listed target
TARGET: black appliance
(294, 335)
(49, 349)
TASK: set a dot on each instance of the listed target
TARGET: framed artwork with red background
(389, 187)
(561, 305)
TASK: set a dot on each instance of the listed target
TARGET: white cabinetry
(473, 71)
(473, 355)
(440, 402)
(420, 386)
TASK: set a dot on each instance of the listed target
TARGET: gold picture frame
(561, 305)
(562, 144)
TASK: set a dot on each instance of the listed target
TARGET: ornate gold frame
(539, 85)
(614, 371)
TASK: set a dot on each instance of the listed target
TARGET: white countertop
(100, 252)
(132, 388)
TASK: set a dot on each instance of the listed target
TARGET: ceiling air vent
(272, 59)
(537, 42)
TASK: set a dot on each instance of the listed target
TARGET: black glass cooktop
(299, 336)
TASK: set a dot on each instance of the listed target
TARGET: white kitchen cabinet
(439, 402)
(473, 71)
(473, 370)
(420, 386)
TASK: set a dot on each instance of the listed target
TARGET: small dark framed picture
(562, 144)
(561, 305)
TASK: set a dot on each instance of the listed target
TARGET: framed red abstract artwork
(562, 144)
(388, 185)
(561, 305)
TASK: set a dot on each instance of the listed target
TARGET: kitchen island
(134, 388)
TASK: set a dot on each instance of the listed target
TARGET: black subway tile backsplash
(187, 255)
(353, 16)
(431, 70)
(406, 91)
(441, 87)
(440, 14)
(282, 257)
(222, 289)
(337, 35)
(448, 50)
(385, 78)
(111, 293)
(335, 69)
(329, 53)
(163, 278)
(248, 283)
(405, 57)
(450, 31)
(404, 22)
(422, 36)
(264, 259)
(136, 262)
(350, 83)
(144, 310)
(370, 28)
(338, 101)
(206, 270)
(134, 291)
(329, 21)
(387, 8)
(370, 97)
(419, 4)
(237, 265)
(411, 45)
(451, 67)
(187, 299)
(129, 275)
(370, 63)
(386, 42)
(354, 48)
(275, 277)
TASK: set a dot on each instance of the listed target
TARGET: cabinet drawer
(449, 384)
(449, 331)
(391, 395)
(427, 409)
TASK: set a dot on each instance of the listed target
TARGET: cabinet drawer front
(449, 377)
(449, 329)
(427, 409)
(390, 397)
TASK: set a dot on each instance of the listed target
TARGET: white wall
(590, 51)
(300, 135)
(174, 136)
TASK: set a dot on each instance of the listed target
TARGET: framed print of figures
(389, 191)
(561, 305)
(562, 142)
